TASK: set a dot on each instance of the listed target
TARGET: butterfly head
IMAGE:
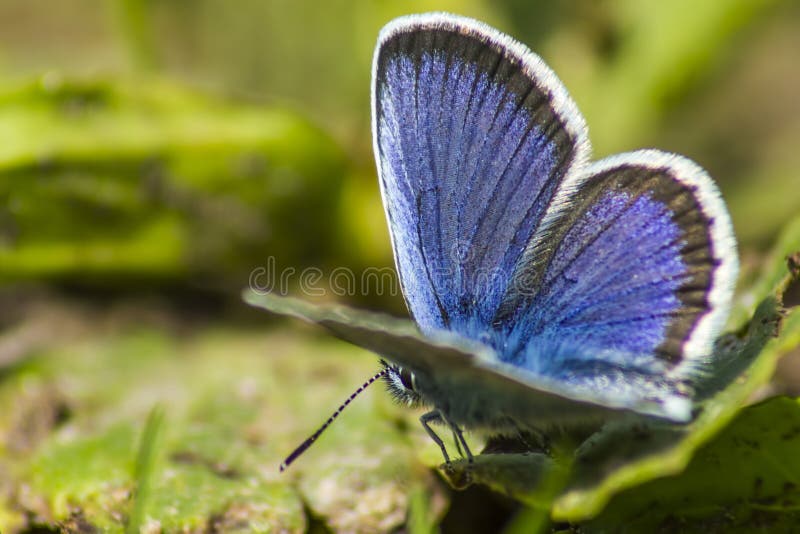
(402, 384)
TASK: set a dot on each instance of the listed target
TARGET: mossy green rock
(230, 404)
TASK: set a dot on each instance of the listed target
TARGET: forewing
(473, 135)
(634, 279)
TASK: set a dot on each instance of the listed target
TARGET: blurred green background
(154, 153)
(186, 141)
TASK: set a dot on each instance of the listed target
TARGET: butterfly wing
(633, 280)
(462, 374)
(611, 281)
(570, 293)
(473, 134)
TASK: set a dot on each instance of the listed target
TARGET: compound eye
(407, 379)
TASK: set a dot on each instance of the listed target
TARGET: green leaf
(747, 479)
(105, 180)
(772, 276)
(145, 466)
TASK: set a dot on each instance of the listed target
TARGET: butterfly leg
(458, 444)
(426, 420)
(460, 439)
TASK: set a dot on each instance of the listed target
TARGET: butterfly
(546, 290)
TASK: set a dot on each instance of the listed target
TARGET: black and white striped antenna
(311, 439)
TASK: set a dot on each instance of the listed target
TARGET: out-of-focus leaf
(104, 180)
(659, 51)
(145, 467)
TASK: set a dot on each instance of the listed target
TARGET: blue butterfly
(548, 290)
